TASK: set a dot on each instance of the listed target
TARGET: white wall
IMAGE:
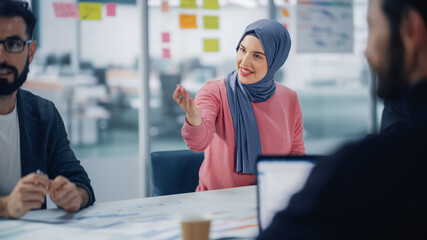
(57, 35)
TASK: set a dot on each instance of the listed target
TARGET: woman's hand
(182, 97)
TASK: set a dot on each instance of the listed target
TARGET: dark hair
(19, 8)
(395, 10)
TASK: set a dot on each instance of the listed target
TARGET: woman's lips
(245, 72)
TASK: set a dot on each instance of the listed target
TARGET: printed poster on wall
(325, 26)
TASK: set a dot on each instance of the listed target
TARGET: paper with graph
(325, 26)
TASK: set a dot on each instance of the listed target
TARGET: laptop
(278, 179)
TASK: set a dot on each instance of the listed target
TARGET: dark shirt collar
(416, 102)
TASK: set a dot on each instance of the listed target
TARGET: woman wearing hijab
(247, 114)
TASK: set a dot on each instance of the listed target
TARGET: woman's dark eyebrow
(260, 53)
(241, 45)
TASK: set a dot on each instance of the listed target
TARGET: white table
(233, 214)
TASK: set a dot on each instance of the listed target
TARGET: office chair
(174, 172)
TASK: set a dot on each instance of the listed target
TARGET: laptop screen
(278, 178)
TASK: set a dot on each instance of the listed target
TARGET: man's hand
(29, 193)
(67, 195)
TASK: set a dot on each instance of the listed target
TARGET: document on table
(132, 219)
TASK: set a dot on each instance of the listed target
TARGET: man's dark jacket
(44, 143)
(373, 189)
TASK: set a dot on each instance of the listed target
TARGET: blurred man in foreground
(376, 188)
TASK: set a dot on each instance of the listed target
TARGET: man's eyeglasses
(14, 45)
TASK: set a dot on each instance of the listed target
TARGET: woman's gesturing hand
(182, 97)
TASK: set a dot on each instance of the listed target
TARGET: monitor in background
(278, 178)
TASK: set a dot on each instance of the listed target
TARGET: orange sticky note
(165, 6)
(65, 10)
(187, 21)
(285, 12)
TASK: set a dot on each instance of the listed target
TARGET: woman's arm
(199, 128)
(298, 141)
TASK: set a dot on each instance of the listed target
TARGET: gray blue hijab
(276, 42)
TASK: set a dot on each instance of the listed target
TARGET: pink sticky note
(65, 10)
(111, 9)
(165, 37)
(166, 53)
(165, 6)
(286, 25)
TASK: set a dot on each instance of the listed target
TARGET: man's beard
(392, 80)
(7, 88)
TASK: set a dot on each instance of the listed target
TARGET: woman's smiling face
(251, 60)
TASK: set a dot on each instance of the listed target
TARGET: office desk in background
(233, 213)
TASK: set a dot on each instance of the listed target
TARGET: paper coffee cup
(195, 227)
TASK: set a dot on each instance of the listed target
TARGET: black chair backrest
(174, 172)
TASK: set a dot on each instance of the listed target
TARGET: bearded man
(32, 133)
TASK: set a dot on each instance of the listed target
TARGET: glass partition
(88, 69)
(333, 88)
(183, 59)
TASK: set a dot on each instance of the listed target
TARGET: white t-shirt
(10, 154)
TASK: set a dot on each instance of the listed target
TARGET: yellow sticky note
(210, 22)
(211, 45)
(188, 4)
(90, 11)
(285, 12)
(210, 4)
(187, 21)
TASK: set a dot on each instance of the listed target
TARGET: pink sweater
(279, 121)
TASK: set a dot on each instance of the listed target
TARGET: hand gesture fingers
(29, 193)
(64, 194)
(182, 97)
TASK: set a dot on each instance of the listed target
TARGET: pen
(40, 172)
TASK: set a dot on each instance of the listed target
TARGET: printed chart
(325, 26)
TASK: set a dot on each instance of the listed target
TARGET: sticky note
(65, 10)
(210, 4)
(111, 9)
(165, 37)
(285, 25)
(188, 4)
(187, 21)
(166, 53)
(90, 11)
(165, 6)
(211, 45)
(210, 22)
(285, 12)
